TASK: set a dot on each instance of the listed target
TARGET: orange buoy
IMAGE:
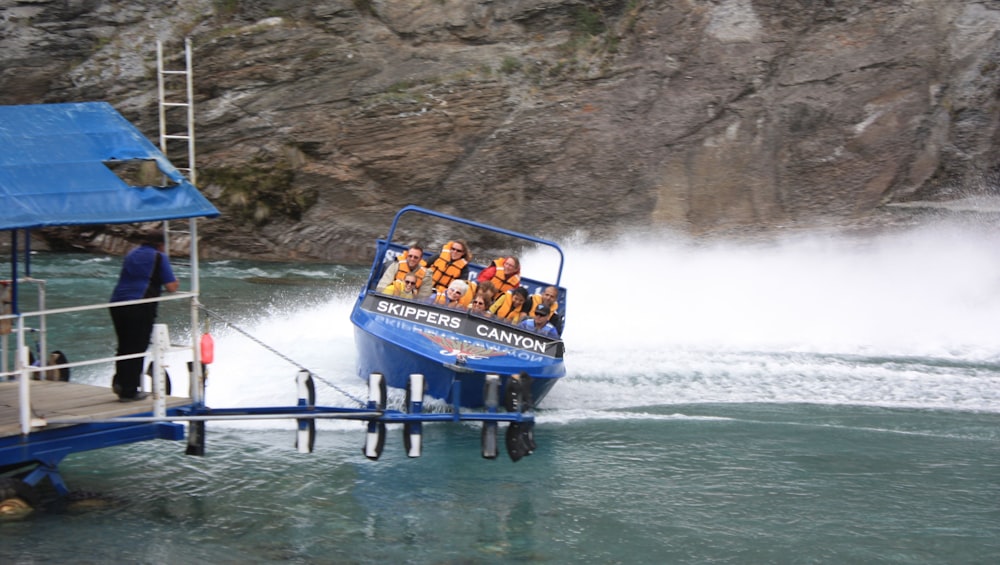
(207, 348)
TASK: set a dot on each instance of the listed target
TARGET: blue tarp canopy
(54, 170)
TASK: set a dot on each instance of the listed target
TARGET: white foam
(814, 319)
(318, 338)
(928, 293)
(908, 320)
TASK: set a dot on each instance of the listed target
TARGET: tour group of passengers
(496, 292)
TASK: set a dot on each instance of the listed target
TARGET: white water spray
(906, 319)
(931, 293)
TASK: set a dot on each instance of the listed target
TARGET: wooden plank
(51, 399)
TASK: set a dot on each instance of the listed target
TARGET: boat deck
(54, 400)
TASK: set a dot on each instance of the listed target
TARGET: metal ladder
(169, 100)
(196, 431)
(163, 75)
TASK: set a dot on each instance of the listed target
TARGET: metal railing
(25, 372)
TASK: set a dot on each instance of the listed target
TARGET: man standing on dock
(145, 270)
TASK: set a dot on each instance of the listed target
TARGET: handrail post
(197, 373)
(24, 379)
(43, 328)
(161, 342)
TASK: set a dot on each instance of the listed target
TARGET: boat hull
(397, 347)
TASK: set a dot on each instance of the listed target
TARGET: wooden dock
(53, 400)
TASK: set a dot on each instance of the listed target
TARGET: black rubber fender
(516, 445)
(512, 395)
(517, 395)
(166, 375)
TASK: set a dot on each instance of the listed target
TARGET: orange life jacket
(502, 281)
(536, 299)
(503, 307)
(442, 299)
(404, 269)
(470, 292)
(445, 270)
(397, 288)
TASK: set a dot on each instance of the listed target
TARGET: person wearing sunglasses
(412, 261)
(549, 298)
(539, 322)
(478, 306)
(456, 296)
(406, 288)
(450, 265)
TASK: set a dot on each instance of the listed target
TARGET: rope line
(296, 364)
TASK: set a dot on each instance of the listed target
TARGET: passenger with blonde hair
(455, 296)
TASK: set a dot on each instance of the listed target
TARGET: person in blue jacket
(539, 322)
(145, 270)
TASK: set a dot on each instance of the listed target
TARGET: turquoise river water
(812, 400)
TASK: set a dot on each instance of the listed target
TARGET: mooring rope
(298, 365)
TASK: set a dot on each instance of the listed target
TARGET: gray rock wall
(317, 120)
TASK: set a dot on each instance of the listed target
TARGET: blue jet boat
(397, 337)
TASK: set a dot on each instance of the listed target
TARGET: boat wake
(901, 320)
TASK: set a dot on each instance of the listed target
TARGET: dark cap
(541, 309)
(152, 236)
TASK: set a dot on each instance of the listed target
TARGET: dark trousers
(134, 327)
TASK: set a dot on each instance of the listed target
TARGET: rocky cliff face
(317, 120)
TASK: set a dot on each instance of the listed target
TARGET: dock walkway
(53, 400)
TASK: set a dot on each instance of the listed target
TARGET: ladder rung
(177, 137)
(176, 104)
(174, 72)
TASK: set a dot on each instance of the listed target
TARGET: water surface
(816, 400)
